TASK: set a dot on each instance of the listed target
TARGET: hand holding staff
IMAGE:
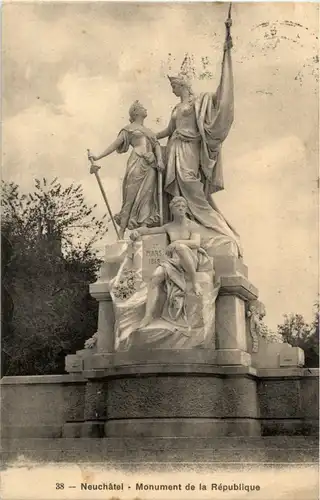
(94, 170)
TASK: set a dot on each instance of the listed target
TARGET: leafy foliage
(52, 210)
(48, 261)
(297, 332)
(268, 334)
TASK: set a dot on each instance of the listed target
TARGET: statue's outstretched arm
(110, 149)
(164, 133)
(144, 231)
(167, 131)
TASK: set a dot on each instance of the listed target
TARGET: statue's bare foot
(145, 322)
(197, 289)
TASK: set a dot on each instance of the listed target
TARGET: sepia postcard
(159, 250)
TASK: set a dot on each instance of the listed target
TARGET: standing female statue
(196, 130)
(140, 203)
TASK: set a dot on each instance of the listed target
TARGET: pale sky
(71, 71)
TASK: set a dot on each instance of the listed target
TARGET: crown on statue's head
(180, 79)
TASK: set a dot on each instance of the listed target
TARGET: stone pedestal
(169, 404)
(235, 290)
(105, 333)
(176, 395)
(114, 255)
(231, 322)
(190, 396)
(48, 407)
(165, 392)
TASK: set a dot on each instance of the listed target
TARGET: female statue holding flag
(197, 128)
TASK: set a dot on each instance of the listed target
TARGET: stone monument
(178, 350)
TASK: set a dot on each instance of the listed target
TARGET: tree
(270, 335)
(53, 213)
(297, 332)
(48, 261)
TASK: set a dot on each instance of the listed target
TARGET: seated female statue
(183, 258)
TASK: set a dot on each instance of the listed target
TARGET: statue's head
(137, 109)
(178, 206)
(180, 82)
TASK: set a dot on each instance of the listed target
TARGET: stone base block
(72, 430)
(138, 357)
(294, 356)
(83, 429)
(276, 355)
(229, 266)
(309, 375)
(238, 286)
(29, 431)
(92, 429)
(229, 357)
(289, 427)
(180, 427)
(199, 399)
(180, 396)
(167, 357)
(74, 363)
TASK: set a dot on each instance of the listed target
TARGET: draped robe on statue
(140, 205)
(193, 159)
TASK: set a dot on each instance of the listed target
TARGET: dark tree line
(48, 261)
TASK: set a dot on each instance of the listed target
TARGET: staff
(160, 196)
(94, 170)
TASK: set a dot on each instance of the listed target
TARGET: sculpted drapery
(140, 200)
(184, 277)
(197, 129)
(140, 205)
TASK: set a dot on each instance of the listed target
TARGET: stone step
(270, 450)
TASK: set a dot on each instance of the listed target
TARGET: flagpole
(228, 23)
